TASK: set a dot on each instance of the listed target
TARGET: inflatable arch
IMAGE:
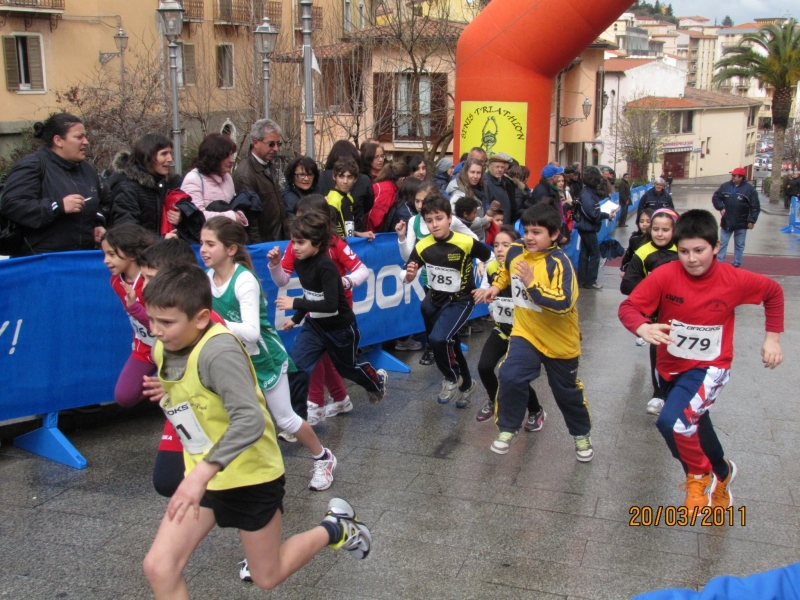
(506, 60)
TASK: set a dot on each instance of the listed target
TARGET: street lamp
(655, 151)
(266, 36)
(121, 42)
(171, 14)
(587, 108)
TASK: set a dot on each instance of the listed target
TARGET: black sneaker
(486, 413)
(427, 357)
(535, 422)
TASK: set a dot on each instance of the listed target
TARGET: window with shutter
(225, 66)
(35, 69)
(189, 68)
(382, 116)
(23, 62)
(11, 62)
(439, 108)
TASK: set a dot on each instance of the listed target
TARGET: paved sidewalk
(450, 519)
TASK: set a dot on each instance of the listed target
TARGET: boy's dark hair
(542, 215)
(696, 223)
(493, 212)
(186, 288)
(129, 239)
(346, 165)
(318, 203)
(465, 205)
(509, 230)
(166, 253)
(592, 178)
(435, 202)
(315, 227)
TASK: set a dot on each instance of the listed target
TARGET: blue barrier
(64, 336)
(794, 217)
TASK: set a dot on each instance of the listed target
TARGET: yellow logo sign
(495, 127)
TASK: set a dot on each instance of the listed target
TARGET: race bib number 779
(695, 342)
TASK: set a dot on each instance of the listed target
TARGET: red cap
(739, 171)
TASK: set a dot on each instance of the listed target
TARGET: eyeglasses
(272, 144)
(304, 175)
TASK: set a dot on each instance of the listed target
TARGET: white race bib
(695, 342)
(349, 228)
(520, 295)
(503, 310)
(317, 297)
(444, 279)
(141, 332)
(183, 419)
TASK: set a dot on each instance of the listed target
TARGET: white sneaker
(323, 472)
(244, 571)
(337, 408)
(408, 344)
(654, 406)
(640, 342)
(449, 390)
(287, 437)
(315, 414)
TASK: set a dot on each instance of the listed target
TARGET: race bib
(503, 310)
(141, 332)
(317, 297)
(190, 432)
(520, 295)
(695, 342)
(444, 279)
(349, 228)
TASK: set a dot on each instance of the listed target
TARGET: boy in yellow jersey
(447, 257)
(545, 331)
(234, 470)
(345, 173)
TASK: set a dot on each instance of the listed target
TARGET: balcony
(272, 10)
(233, 12)
(316, 19)
(46, 7)
(193, 10)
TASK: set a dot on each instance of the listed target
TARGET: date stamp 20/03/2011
(680, 516)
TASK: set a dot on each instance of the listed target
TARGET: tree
(669, 11)
(772, 57)
(727, 21)
(638, 132)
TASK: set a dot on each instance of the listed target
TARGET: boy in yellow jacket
(545, 331)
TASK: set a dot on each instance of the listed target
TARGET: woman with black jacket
(302, 179)
(53, 196)
(140, 182)
(363, 197)
(589, 222)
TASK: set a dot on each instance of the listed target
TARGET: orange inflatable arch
(506, 60)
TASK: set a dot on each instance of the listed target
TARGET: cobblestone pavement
(450, 519)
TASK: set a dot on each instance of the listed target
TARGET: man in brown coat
(258, 174)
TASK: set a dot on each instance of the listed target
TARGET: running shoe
(594, 286)
(375, 397)
(356, 538)
(287, 437)
(722, 495)
(244, 572)
(654, 406)
(337, 408)
(323, 472)
(485, 413)
(699, 490)
(409, 344)
(463, 397)
(315, 414)
(504, 442)
(583, 448)
(535, 421)
(640, 342)
(427, 357)
(449, 390)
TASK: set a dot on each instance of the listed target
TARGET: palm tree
(772, 57)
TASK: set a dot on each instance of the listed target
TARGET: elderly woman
(53, 196)
(210, 178)
(302, 178)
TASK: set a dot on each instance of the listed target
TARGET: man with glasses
(738, 205)
(258, 173)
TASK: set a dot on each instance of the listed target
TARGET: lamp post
(266, 36)
(171, 14)
(587, 108)
(655, 152)
(307, 79)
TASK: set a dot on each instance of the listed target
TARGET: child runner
(447, 258)
(496, 215)
(466, 209)
(330, 324)
(345, 173)
(122, 246)
(281, 269)
(235, 475)
(238, 298)
(545, 331)
(496, 345)
(637, 238)
(696, 298)
(657, 250)
(408, 234)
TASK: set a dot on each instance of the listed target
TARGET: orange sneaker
(722, 495)
(698, 490)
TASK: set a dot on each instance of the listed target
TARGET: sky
(741, 11)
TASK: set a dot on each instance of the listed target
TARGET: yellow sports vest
(261, 462)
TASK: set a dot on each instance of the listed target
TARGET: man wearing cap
(738, 205)
(444, 173)
(498, 187)
(547, 188)
(624, 199)
(656, 197)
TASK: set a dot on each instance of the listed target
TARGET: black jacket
(363, 196)
(624, 192)
(265, 225)
(442, 180)
(137, 196)
(33, 199)
(741, 205)
(793, 187)
(575, 188)
(653, 200)
(543, 191)
(292, 194)
(504, 191)
(591, 217)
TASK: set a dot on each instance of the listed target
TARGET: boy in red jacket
(695, 299)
